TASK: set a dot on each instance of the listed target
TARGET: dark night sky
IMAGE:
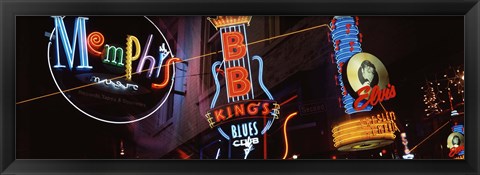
(413, 49)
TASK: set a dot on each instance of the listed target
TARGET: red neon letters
(238, 83)
(233, 45)
(243, 109)
(455, 150)
(166, 75)
(376, 96)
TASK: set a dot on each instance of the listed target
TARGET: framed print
(283, 87)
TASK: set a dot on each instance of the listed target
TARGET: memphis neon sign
(113, 55)
(73, 56)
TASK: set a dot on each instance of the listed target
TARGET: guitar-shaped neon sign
(242, 104)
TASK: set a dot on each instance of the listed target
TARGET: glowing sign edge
(103, 120)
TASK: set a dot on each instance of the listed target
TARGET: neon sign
(364, 83)
(368, 81)
(456, 142)
(99, 55)
(366, 75)
(365, 132)
(346, 43)
(242, 105)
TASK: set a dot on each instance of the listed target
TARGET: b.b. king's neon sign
(237, 121)
(123, 96)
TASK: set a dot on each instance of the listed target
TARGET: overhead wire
(189, 59)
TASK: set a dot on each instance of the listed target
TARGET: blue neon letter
(80, 33)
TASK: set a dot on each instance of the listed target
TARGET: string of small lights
(445, 93)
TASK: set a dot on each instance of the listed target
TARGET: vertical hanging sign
(363, 78)
(346, 42)
(364, 83)
(240, 120)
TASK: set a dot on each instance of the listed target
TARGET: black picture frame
(9, 9)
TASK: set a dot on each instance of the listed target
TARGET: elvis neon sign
(364, 83)
(367, 77)
(100, 54)
(456, 142)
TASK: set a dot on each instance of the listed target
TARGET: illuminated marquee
(365, 133)
(106, 58)
(237, 121)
